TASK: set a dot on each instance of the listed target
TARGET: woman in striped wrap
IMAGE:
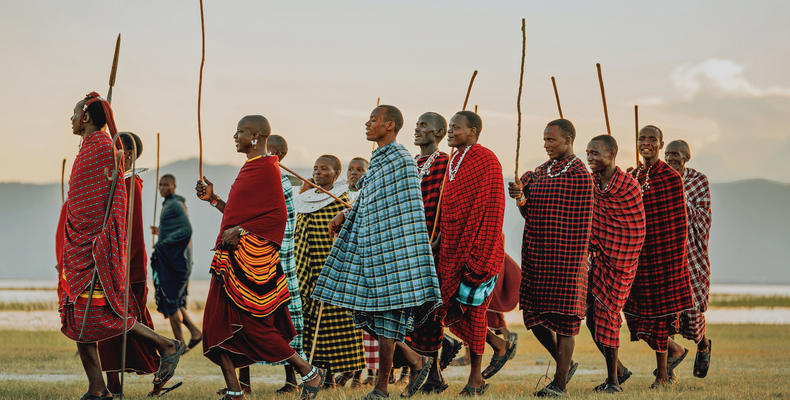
(339, 344)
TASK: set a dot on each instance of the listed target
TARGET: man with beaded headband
(380, 266)
(556, 201)
(618, 232)
(661, 288)
(698, 212)
(91, 244)
(471, 249)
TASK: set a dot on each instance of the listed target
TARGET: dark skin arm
(205, 192)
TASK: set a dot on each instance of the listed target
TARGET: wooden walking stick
(446, 171)
(156, 189)
(200, 90)
(63, 182)
(314, 185)
(557, 96)
(114, 69)
(315, 335)
(520, 87)
(636, 133)
(475, 108)
(603, 98)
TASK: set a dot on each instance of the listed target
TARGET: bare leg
(612, 364)
(619, 367)
(565, 345)
(194, 331)
(662, 377)
(435, 374)
(475, 373)
(675, 350)
(386, 353)
(547, 338)
(290, 376)
(497, 343)
(303, 368)
(165, 345)
(89, 354)
(114, 382)
(702, 346)
(244, 376)
(229, 372)
(175, 325)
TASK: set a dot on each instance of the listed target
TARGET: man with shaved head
(698, 212)
(661, 287)
(381, 266)
(618, 232)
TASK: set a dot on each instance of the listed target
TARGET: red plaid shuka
(618, 232)
(558, 215)
(86, 244)
(698, 212)
(661, 288)
(427, 338)
(471, 247)
(371, 350)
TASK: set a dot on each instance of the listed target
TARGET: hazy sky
(712, 72)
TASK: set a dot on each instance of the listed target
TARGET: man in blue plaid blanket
(381, 266)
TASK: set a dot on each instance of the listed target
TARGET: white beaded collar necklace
(452, 172)
(426, 168)
(564, 170)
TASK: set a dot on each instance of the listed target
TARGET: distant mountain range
(748, 238)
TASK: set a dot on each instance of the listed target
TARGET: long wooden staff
(314, 185)
(603, 98)
(200, 89)
(475, 108)
(156, 190)
(556, 96)
(315, 335)
(520, 87)
(446, 171)
(114, 69)
(63, 182)
(636, 133)
(129, 223)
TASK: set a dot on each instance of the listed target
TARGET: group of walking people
(330, 279)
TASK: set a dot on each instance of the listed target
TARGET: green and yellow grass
(749, 362)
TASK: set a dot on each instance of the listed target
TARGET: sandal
(513, 337)
(497, 362)
(286, 389)
(244, 387)
(551, 390)
(702, 361)
(673, 362)
(571, 371)
(164, 390)
(106, 395)
(194, 342)
(469, 391)
(376, 395)
(433, 387)
(450, 348)
(417, 378)
(167, 368)
(607, 387)
(310, 392)
(624, 377)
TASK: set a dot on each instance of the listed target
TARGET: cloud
(722, 77)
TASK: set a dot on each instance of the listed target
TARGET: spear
(475, 108)
(200, 89)
(556, 96)
(603, 98)
(444, 179)
(62, 181)
(520, 86)
(114, 69)
(315, 186)
(636, 132)
(156, 191)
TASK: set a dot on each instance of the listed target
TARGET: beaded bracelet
(215, 201)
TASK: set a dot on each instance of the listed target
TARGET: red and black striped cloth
(427, 338)
(558, 219)
(661, 288)
(86, 244)
(618, 232)
(471, 248)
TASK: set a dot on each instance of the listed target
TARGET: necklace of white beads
(452, 171)
(564, 170)
(426, 168)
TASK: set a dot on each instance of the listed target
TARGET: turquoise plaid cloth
(381, 260)
(475, 295)
(289, 268)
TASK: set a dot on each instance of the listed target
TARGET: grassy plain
(749, 362)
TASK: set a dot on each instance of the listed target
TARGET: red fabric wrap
(699, 218)
(506, 291)
(431, 186)
(86, 244)
(558, 219)
(661, 286)
(471, 248)
(141, 354)
(618, 232)
(256, 201)
(138, 258)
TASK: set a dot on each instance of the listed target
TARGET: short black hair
(391, 113)
(96, 112)
(473, 120)
(279, 143)
(438, 121)
(168, 176)
(683, 145)
(608, 141)
(565, 126)
(264, 128)
(333, 160)
(655, 128)
(363, 160)
(130, 141)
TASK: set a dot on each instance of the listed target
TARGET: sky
(713, 73)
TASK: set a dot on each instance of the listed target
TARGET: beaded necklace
(452, 171)
(564, 170)
(426, 167)
(645, 185)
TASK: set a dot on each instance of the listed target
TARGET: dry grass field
(749, 362)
